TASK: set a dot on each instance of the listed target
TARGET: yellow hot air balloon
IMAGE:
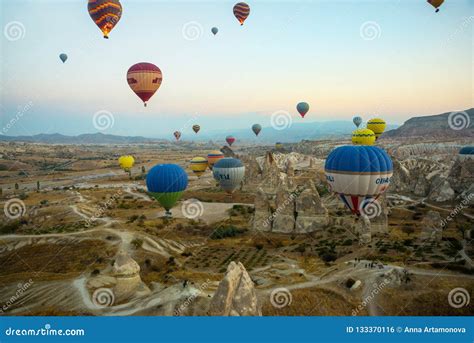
(126, 162)
(199, 165)
(363, 137)
(377, 125)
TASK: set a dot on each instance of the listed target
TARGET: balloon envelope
(166, 183)
(302, 108)
(196, 128)
(357, 121)
(363, 137)
(230, 140)
(436, 4)
(214, 30)
(177, 135)
(105, 14)
(213, 157)
(278, 145)
(256, 128)
(199, 165)
(241, 12)
(358, 174)
(63, 57)
(377, 125)
(126, 162)
(229, 172)
(466, 153)
(144, 79)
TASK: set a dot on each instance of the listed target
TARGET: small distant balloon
(436, 4)
(256, 128)
(357, 121)
(302, 108)
(241, 12)
(177, 135)
(63, 57)
(230, 140)
(214, 30)
(196, 128)
(144, 79)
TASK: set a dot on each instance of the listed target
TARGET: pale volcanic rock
(432, 227)
(441, 191)
(284, 215)
(236, 294)
(262, 214)
(127, 274)
(311, 213)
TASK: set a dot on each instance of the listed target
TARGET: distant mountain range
(441, 126)
(447, 125)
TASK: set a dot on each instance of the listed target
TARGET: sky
(389, 58)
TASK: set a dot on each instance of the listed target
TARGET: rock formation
(432, 227)
(262, 215)
(127, 274)
(363, 230)
(236, 294)
(311, 213)
(284, 215)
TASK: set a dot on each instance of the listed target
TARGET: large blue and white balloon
(358, 174)
(229, 172)
(466, 153)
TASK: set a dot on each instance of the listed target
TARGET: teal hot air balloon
(63, 57)
(229, 172)
(256, 128)
(166, 183)
(214, 30)
(302, 108)
(357, 121)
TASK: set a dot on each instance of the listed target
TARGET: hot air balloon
(302, 108)
(196, 128)
(105, 14)
(230, 140)
(177, 135)
(436, 4)
(229, 172)
(166, 183)
(126, 162)
(256, 128)
(198, 165)
(63, 57)
(144, 79)
(357, 121)
(214, 30)
(358, 174)
(363, 137)
(213, 157)
(278, 145)
(466, 153)
(377, 125)
(241, 12)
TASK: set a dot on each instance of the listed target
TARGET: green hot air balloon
(214, 30)
(166, 183)
(256, 128)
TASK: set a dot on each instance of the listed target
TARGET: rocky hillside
(446, 125)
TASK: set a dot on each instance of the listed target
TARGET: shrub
(224, 232)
